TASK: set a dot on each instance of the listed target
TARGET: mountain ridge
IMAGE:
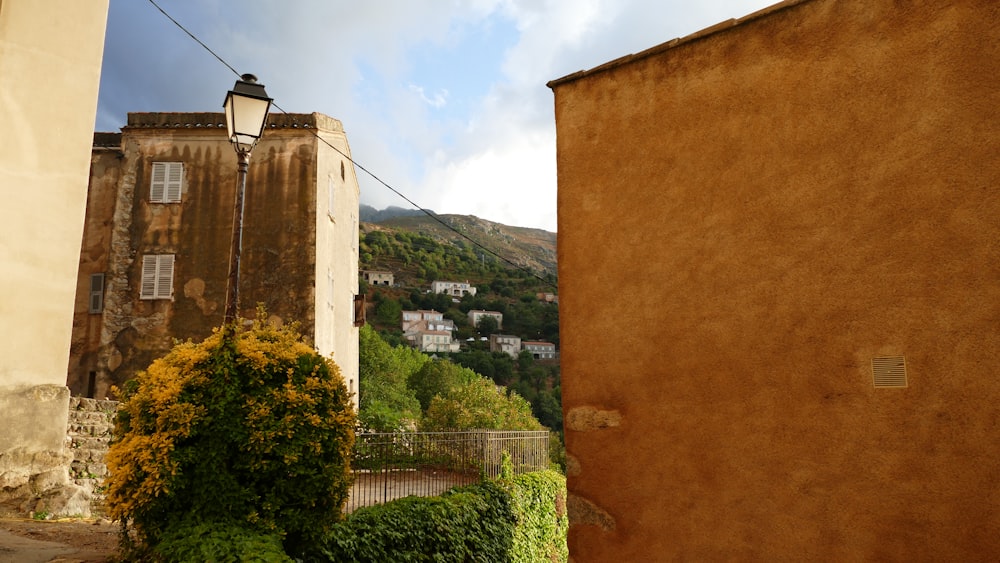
(529, 248)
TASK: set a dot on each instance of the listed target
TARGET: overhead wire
(361, 167)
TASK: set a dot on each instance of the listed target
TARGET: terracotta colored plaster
(779, 201)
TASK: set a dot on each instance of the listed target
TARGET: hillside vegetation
(418, 250)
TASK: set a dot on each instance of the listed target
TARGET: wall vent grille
(889, 371)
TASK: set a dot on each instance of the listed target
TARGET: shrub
(467, 524)
(252, 429)
(520, 519)
(539, 501)
(220, 542)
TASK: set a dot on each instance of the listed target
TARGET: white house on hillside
(455, 289)
(540, 350)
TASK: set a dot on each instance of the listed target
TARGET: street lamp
(246, 109)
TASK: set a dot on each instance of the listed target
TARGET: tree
(438, 378)
(388, 311)
(487, 325)
(479, 405)
(386, 404)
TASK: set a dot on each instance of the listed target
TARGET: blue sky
(445, 100)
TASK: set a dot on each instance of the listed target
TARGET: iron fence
(388, 466)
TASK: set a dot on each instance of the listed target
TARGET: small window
(157, 276)
(165, 186)
(96, 293)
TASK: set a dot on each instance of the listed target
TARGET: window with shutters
(166, 184)
(157, 276)
(96, 293)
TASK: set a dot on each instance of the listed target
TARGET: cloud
(446, 102)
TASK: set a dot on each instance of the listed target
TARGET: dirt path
(65, 541)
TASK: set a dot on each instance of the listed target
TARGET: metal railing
(387, 466)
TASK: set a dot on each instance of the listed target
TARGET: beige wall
(337, 252)
(780, 200)
(50, 63)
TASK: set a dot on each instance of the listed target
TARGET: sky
(444, 100)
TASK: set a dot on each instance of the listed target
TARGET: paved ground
(63, 541)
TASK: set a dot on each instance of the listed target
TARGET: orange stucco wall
(777, 201)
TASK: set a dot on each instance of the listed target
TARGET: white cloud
(493, 156)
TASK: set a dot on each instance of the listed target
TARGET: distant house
(378, 277)
(476, 315)
(433, 341)
(455, 289)
(429, 331)
(548, 297)
(429, 320)
(506, 343)
(540, 350)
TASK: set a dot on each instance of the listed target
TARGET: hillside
(533, 249)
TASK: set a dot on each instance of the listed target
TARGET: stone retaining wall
(88, 435)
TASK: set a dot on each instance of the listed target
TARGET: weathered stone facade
(785, 203)
(299, 256)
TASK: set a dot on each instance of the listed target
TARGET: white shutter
(157, 276)
(167, 182)
(175, 177)
(158, 185)
(147, 289)
(165, 276)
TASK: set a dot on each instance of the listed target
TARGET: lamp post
(246, 109)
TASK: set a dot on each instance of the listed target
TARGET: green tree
(479, 405)
(386, 404)
(438, 378)
(388, 311)
(487, 325)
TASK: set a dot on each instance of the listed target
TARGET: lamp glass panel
(245, 119)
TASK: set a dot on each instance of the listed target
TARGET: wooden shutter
(359, 310)
(165, 276)
(147, 289)
(158, 185)
(175, 176)
(157, 276)
(167, 181)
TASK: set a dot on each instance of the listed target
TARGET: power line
(358, 165)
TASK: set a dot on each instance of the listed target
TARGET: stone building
(154, 260)
(800, 268)
(50, 64)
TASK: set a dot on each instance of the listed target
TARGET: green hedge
(518, 519)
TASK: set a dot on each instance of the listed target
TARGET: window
(157, 276)
(96, 293)
(165, 186)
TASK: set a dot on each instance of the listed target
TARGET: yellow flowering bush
(249, 428)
